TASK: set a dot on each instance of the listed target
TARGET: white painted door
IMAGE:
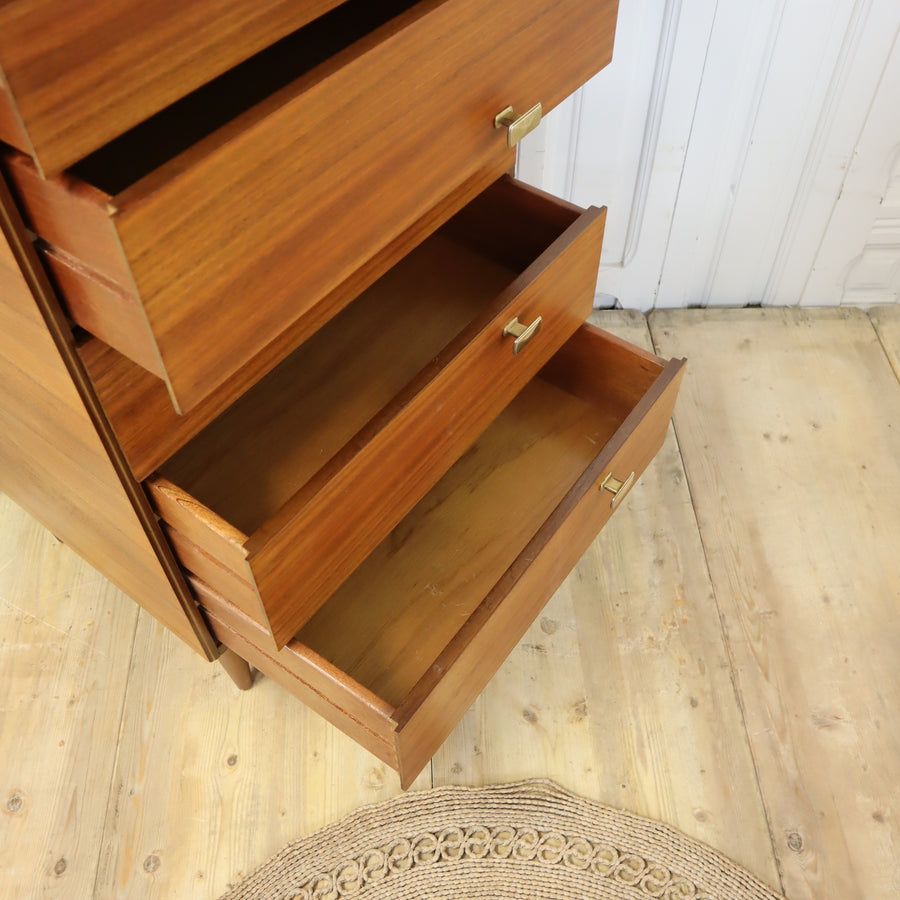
(748, 153)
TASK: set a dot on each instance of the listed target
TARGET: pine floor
(726, 658)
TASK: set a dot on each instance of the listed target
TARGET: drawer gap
(162, 137)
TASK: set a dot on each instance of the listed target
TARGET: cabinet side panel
(54, 463)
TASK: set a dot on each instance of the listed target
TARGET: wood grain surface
(66, 636)
(70, 214)
(886, 320)
(321, 685)
(255, 770)
(393, 617)
(248, 464)
(11, 129)
(76, 83)
(219, 577)
(102, 307)
(789, 431)
(428, 617)
(403, 451)
(288, 668)
(210, 304)
(56, 460)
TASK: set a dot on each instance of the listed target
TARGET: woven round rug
(529, 840)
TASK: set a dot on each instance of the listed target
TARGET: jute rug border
(530, 839)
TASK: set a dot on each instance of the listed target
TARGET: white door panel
(858, 258)
(743, 150)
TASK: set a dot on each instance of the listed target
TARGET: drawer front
(247, 231)
(446, 691)
(302, 553)
(73, 88)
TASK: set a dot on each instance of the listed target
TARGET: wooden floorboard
(772, 566)
(66, 636)
(789, 426)
(622, 689)
(212, 781)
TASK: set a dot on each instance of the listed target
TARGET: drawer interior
(393, 618)
(354, 372)
(248, 463)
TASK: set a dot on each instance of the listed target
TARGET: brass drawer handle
(518, 126)
(617, 488)
(521, 333)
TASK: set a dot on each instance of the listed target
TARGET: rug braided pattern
(528, 840)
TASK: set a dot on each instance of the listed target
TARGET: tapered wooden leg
(237, 669)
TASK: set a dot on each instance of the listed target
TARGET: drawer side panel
(103, 308)
(71, 215)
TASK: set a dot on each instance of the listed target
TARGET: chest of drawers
(325, 359)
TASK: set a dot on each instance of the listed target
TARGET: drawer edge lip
(161, 488)
(405, 711)
(293, 509)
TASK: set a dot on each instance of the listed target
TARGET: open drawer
(403, 647)
(68, 85)
(192, 241)
(295, 484)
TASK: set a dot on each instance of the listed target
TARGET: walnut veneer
(258, 349)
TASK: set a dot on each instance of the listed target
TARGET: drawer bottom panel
(400, 651)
